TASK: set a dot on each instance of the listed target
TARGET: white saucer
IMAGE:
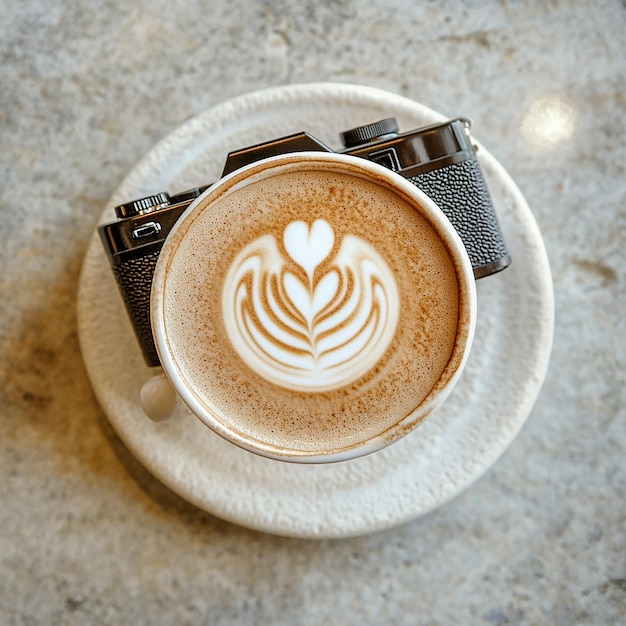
(427, 468)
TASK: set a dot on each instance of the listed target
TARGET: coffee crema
(311, 310)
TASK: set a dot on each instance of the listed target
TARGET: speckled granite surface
(87, 536)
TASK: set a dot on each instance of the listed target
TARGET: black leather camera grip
(134, 277)
(461, 193)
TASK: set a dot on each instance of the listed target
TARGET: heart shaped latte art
(316, 318)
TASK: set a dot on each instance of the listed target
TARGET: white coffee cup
(313, 307)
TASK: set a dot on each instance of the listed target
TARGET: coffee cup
(313, 307)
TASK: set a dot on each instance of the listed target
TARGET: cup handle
(158, 398)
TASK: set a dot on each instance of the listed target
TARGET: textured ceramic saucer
(453, 448)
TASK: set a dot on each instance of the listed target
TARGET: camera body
(439, 159)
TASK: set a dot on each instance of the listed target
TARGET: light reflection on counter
(548, 122)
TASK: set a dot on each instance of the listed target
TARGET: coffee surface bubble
(311, 310)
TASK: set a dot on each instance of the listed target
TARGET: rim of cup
(354, 166)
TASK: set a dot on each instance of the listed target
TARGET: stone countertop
(88, 536)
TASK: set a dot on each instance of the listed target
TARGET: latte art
(315, 315)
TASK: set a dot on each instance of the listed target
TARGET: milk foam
(306, 327)
(318, 246)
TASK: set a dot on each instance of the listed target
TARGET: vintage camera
(439, 159)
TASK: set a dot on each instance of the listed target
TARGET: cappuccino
(310, 308)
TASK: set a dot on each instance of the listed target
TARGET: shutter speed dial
(369, 132)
